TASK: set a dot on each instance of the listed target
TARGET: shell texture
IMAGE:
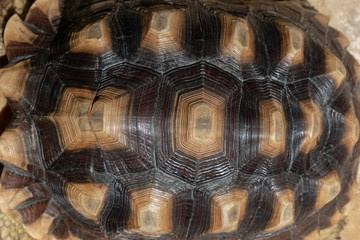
(177, 120)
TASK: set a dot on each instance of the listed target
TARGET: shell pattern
(176, 119)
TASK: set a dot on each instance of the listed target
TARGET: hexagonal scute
(199, 127)
(292, 51)
(352, 129)
(228, 208)
(94, 39)
(313, 125)
(97, 122)
(195, 127)
(237, 38)
(273, 126)
(72, 121)
(283, 210)
(151, 212)
(264, 124)
(164, 31)
(87, 198)
(329, 187)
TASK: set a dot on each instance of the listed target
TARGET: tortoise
(175, 119)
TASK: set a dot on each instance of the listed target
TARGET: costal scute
(199, 119)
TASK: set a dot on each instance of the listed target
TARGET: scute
(177, 120)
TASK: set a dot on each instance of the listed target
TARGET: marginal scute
(19, 38)
(3, 103)
(283, 210)
(335, 69)
(313, 235)
(164, 32)
(7, 195)
(340, 40)
(356, 72)
(312, 115)
(23, 195)
(151, 212)
(13, 149)
(5, 113)
(30, 196)
(330, 216)
(87, 198)
(199, 123)
(336, 217)
(328, 188)
(352, 129)
(322, 19)
(293, 44)
(22, 38)
(273, 125)
(50, 9)
(95, 39)
(316, 23)
(228, 208)
(358, 172)
(73, 237)
(13, 80)
(41, 227)
(237, 38)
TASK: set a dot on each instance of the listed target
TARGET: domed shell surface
(177, 120)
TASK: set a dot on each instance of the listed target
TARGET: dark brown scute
(181, 162)
(15, 178)
(5, 116)
(202, 31)
(307, 227)
(127, 23)
(1, 169)
(3, 61)
(39, 20)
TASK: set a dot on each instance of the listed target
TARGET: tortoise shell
(177, 120)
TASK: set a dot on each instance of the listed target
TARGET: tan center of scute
(83, 122)
(160, 21)
(199, 125)
(335, 69)
(202, 123)
(237, 38)
(283, 210)
(151, 212)
(292, 50)
(71, 119)
(94, 38)
(13, 148)
(164, 31)
(227, 210)
(328, 188)
(18, 73)
(313, 125)
(87, 198)
(273, 125)
(352, 130)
